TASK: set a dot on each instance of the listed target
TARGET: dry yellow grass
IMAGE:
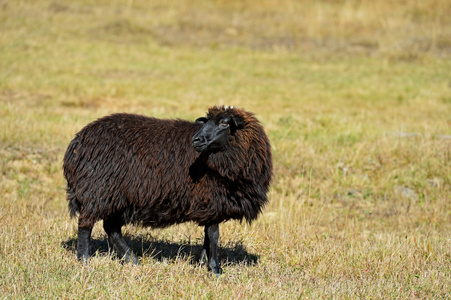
(354, 95)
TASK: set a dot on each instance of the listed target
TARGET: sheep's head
(217, 129)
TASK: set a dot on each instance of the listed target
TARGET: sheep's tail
(74, 204)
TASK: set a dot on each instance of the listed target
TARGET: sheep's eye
(224, 123)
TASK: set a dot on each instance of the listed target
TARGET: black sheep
(127, 168)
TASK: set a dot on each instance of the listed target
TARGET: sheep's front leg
(210, 248)
(113, 230)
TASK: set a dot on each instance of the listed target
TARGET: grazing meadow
(355, 97)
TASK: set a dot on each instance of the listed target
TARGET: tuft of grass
(354, 96)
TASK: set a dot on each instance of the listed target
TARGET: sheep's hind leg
(113, 230)
(83, 239)
(210, 248)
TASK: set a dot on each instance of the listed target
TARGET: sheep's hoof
(82, 258)
(130, 258)
(217, 272)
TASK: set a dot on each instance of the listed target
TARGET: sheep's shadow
(163, 250)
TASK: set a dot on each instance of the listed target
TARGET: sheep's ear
(238, 121)
(201, 120)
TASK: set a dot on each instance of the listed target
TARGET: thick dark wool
(146, 171)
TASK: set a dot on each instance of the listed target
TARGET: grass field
(355, 97)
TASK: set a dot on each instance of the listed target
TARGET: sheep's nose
(198, 139)
(199, 143)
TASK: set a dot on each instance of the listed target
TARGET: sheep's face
(215, 134)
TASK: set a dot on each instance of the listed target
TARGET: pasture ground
(356, 100)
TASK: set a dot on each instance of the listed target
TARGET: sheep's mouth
(209, 146)
(200, 147)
